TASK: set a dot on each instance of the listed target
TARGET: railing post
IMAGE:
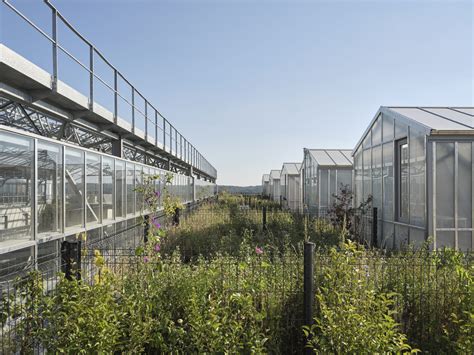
(54, 30)
(91, 77)
(115, 96)
(308, 285)
(374, 226)
(133, 109)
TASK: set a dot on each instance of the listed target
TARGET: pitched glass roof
(291, 168)
(439, 118)
(275, 174)
(332, 157)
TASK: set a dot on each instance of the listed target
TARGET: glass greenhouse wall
(417, 164)
(325, 173)
(290, 186)
(275, 185)
(50, 190)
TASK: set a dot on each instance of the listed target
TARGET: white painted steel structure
(418, 164)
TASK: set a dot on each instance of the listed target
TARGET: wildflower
(258, 250)
(145, 259)
(156, 223)
(157, 247)
(157, 194)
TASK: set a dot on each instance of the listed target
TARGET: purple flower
(258, 250)
(157, 194)
(156, 223)
(157, 247)
(145, 259)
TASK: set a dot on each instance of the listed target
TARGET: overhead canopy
(332, 157)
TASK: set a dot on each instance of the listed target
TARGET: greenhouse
(290, 186)
(275, 185)
(266, 185)
(417, 164)
(325, 172)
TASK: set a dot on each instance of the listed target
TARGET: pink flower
(157, 247)
(145, 259)
(258, 250)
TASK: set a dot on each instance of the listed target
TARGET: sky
(252, 83)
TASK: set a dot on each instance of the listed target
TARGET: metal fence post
(308, 285)
(71, 259)
(146, 228)
(264, 217)
(374, 226)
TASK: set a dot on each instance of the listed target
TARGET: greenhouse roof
(275, 174)
(266, 177)
(332, 157)
(437, 120)
(291, 168)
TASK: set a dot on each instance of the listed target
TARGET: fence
(427, 287)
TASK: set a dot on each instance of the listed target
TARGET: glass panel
(344, 180)
(358, 178)
(403, 182)
(388, 238)
(401, 236)
(49, 187)
(387, 181)
(16, 172)
(417, 237)
(465, 240)
(401, 129)
(417, 178)
(138, 183)
(48, 262)
(387, 128)
(333, 186)
(367, 142)
(15, 261)
(377, 131)
(93, 188)
(107, 188)
(444, 185)
(464, 185)
(324, 188)
(377, 177)
(367, 174)
(444, 239)
(119, 188)
(74, 187)
(130, 188)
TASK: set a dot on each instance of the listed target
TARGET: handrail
(176, 142)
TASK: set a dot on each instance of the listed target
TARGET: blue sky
(250, 83)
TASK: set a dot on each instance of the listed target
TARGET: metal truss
(18, 115)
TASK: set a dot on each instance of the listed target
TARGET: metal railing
(157, 129)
